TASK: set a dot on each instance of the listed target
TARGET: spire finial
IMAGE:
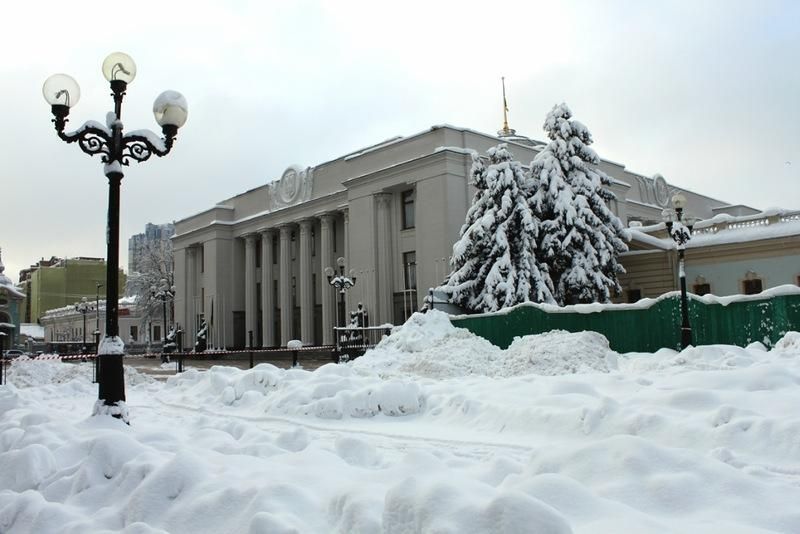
(506, 131)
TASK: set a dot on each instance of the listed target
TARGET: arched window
(752, 283)
(701, 286)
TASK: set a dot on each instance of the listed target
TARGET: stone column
(326, 260)
(267, 296)
(189, 327)
(306, 295)
(250, 297)
(285, 284)
(383, 224)
(348, 305)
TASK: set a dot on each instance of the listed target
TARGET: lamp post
(3, 336)
(341, 282)
(681, 234)
(83, 307)
(116, 150)
(163, 292)
(97, 310)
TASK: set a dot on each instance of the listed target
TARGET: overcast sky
(705, 93)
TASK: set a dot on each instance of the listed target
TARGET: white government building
(256, 262)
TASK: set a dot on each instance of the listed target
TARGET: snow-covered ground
(434, 431)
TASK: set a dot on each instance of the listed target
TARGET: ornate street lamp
(83, 307)
(163, 292)
(679, 228)
(116, 150)
(341, 282)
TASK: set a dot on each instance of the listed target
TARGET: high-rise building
(138, 243)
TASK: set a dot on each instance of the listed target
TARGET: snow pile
(331, 392)
(429, 346)
(789, 344)
(26, 372)
(705, 440)
(558, 353)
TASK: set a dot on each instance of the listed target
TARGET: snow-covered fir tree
(580, 237)
(494, 261)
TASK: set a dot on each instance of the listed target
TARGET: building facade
(66, 329)
(62, 282)
(727, 255)
(253, 266)
(10, 307)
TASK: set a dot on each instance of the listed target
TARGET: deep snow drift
(433, 431)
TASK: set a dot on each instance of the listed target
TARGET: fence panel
(648, 326)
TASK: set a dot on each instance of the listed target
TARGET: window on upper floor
(752, 286)
(701, 289)
(410, 269)
(408, 198)
(633, 295)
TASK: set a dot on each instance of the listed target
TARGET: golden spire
(506, 131)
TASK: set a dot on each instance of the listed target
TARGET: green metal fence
(649, 325)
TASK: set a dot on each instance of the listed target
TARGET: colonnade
(282, 272)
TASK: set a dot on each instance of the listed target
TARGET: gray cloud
(704, 93)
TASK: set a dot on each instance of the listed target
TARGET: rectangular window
(634, 295)
(134, 333)
(156, 332)
(293, 246)
(701, 289)
(333, 234)
(313, 243)
(410, 269)
(258, 253)
(274, 251)
(408, 209)
(751, 287)
(798, 280)
(294, 291)
(275, 300)
(258, 296)
(202, 259)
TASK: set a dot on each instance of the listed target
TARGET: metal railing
(352, 341)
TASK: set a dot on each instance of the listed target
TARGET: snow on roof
(769, 225)
(638, 234)
(33, 330)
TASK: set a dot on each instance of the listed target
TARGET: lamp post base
(686, 337)
(111, 379)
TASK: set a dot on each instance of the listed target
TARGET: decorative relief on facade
(661, 190)
(294, 187)
(654, 190)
